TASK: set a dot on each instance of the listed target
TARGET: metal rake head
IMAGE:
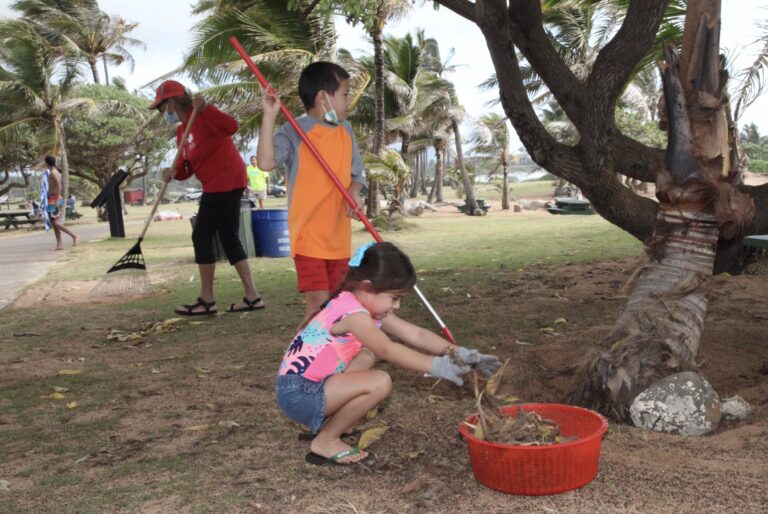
(133, 259)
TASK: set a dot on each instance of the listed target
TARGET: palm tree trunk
(469, 192)
(424, 166)
(415, 180)
(378, 132)
(505, 186)
(64, 161)
(106, 70)
(437, 188)
(94, 70)
(659, 331)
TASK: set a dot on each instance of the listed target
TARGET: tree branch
(5, 188)
(308, 10)
(527, 30)
(636, 160)
(617, 61)
(463, 8)
(543, 148)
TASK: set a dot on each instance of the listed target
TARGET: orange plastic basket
(546, 469)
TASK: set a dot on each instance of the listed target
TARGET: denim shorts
(302, 400)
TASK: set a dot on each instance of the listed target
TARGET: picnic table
(480, 204)
(16, 219)
(570, 206)
(757, 241)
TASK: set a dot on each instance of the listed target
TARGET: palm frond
(752, 80)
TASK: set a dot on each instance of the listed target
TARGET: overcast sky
(164, 25)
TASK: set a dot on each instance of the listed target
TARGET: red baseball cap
(166, 90)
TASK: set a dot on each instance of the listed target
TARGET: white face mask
(330, 116)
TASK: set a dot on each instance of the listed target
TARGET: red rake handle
(351, 201)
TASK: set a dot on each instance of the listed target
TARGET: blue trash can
(270, 230)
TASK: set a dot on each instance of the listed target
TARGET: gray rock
(684, 403)
(735, 407)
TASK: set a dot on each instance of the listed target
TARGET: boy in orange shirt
(318, 217)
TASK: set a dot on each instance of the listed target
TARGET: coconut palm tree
(99, 36)
(29, 64)
(388, 168)
(280, 41)
(491, 140)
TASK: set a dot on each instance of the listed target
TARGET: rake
(129, 275)
(353, 205)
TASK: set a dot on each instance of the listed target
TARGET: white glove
(485, 363)
(443, 367)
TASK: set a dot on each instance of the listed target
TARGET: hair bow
(357, 258)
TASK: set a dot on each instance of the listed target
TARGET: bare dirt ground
(165, 444)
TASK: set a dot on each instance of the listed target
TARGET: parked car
(190, 196)
(277, 190)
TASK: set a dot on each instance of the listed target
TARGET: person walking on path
(212, 157)
(319, 222)
(258, 181)
(52, 203)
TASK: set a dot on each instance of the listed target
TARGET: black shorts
(218, 213)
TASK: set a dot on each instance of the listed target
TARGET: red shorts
(320, 274)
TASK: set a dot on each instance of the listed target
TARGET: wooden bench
(17, 222)
(480, 203)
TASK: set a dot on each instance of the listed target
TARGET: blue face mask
(171, 117)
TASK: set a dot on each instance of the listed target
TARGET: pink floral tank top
(315, 352)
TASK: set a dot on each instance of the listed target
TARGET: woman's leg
(228, 227)
(202, 241)
(348, 396)
(243, 269)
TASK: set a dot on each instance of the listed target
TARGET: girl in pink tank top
(325, 380)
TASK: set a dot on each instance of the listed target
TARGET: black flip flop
(308, 436)
(187, 309)
(319, 460)
(250, 305)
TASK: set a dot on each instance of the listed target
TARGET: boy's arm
(265, 151)
(358, 171)
(354, 190)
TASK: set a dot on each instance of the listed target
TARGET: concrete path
(25, 258)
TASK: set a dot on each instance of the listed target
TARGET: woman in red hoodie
(211, 156)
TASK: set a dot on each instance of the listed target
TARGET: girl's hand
(443, 367)
(485, 363)
(270, 103)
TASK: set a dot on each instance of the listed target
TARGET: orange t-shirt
(317, 211)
